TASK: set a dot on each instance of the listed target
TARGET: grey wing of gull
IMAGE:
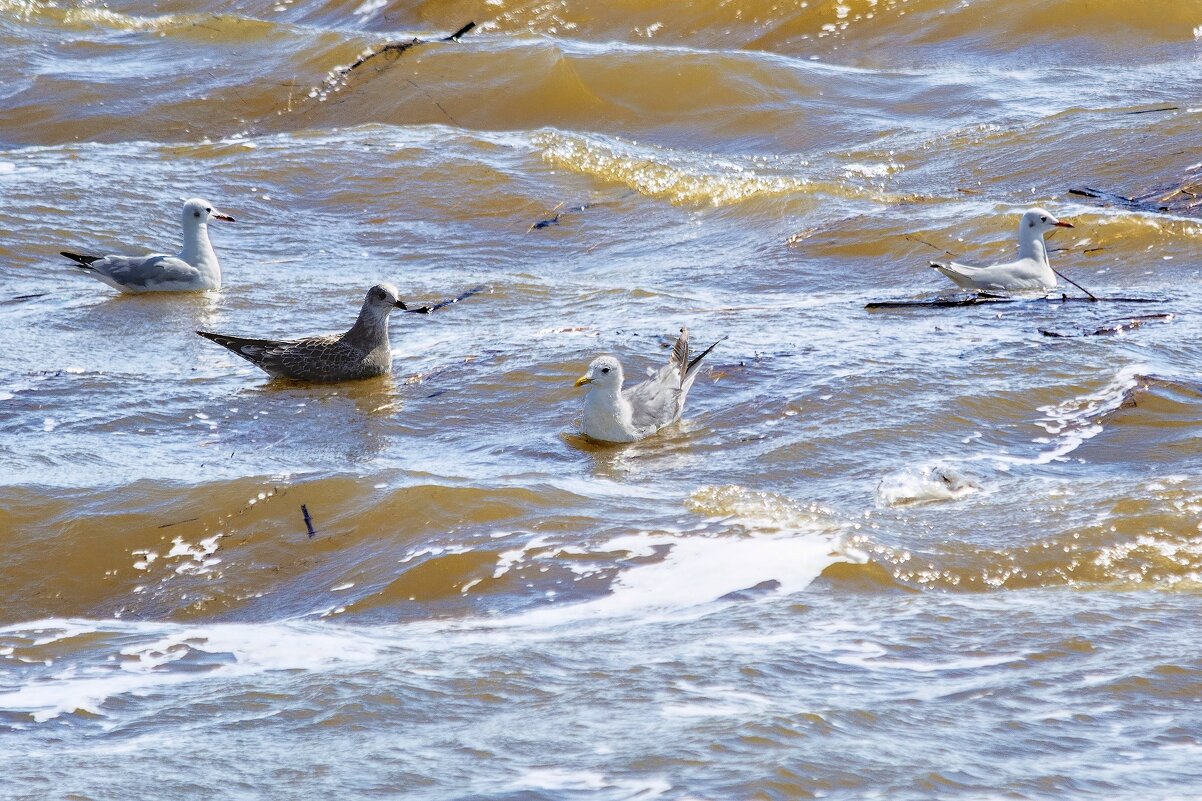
(324, 358)
(145, 271)
(656, 401)
(659, 400)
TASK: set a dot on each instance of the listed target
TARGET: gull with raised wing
(1030, 273)
(614, 414)
(362, 352)
(195, 268)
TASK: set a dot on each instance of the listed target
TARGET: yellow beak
(584, 379)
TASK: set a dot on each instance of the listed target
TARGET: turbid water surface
(926, 553)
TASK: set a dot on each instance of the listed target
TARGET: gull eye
(1043, 219)
(208, 209)
(605, 369)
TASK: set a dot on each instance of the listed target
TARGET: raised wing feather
(659, 400)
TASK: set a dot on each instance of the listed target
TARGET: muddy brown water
(907, 554)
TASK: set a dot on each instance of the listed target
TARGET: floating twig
(179, 522)
(1115, 199)
(554, 220)
(1114, 327)
(921, 241)
(454, 37)
(476, 290)
(401, 47)
(1153, 110)
(1092, 296)
(23, 298)
(308, 520)
(985, 300)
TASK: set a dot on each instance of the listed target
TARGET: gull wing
(138, 272)
(1015, 276)
(659, 400)
(971, 277)
(322, 358)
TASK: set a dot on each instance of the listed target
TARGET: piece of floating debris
(1184, 198)
(308, 520)
(554, 220)
(1115, 199)
(1153, 110)
(1113, 327)
(925, 484)
(989, 299)
(442, 304)
(559, 212)
(179, 522)
(401, 47)
(23, 298)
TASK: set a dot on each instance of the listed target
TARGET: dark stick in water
(308, 520)
(1092, 296)
(401, 47)
(442, 304)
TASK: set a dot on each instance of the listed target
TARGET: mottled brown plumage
(362, 352)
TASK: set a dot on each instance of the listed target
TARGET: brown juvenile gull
(362, 352)
(613, 414)
(194, 269)
(1030, 273)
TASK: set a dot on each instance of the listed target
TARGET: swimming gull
(1030, 272)
(361, 352)
(194, 269)
(613, 414)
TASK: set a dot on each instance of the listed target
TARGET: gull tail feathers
(954, 272)
(680, 354)
(252, 350)
(692, 366)
(81, 260)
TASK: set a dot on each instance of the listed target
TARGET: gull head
(199, 212)
(603, 372)
(383, 298)
(1041, 221)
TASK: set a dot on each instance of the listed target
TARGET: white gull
(194, 269)
(613, 414)
(1030, 273)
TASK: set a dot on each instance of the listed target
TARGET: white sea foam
(924, 484)
(145, 667)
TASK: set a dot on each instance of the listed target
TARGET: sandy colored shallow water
(901, 554)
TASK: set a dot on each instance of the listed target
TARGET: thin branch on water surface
(985, 300)
(401, 47)
(1114, 327)
(1092, 296)
(442, 304)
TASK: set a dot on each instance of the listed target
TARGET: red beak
(1063, 224)
(228, 218)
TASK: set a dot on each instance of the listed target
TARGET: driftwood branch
(985, 300)
(442, 304)
(401, 47)
(1153, 110)
(557, 215)
(1092, 296)
(1113, 327)
(1113, 199)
